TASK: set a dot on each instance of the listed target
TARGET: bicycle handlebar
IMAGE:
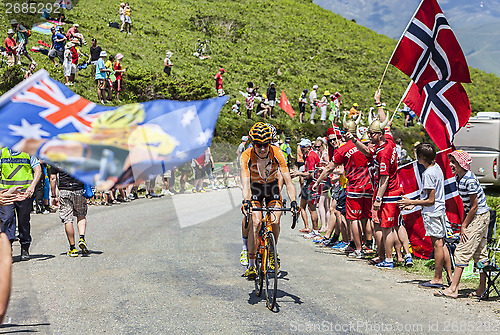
(272, 209)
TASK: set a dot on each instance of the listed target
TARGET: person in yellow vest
(18, 169)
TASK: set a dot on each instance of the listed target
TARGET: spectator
(18, 169)
(218, 82)
(30, 71)
(241, 148)
(11, 46)
(95, 52)
(198, 166)
(121, 12)
(128, 20)
(57, 47)
(101, 76)
(353, 111)
(118, 73)
(168, 63)
(323, 105)
(67, 193)
(313, 100)
(263, 108)
(336, 101)
(287, 152)
(67, 63)
(302, 104)
(271, 98)
(209, 167)
(74, 60)
(22, 40)
(236, 108)
(111, 77)
(73, 33)
(249, 101)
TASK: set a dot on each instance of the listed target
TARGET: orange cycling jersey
(263, 174)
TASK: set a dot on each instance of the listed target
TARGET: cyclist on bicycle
(260, 167)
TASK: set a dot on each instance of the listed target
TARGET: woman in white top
(67, 62)
(323, 105)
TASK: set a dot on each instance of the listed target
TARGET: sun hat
(355, 104)
(244, 138)
(103, 54)
(305, 143)
(10, 31)
(69, 45)
(119, 56)
(13, 21)
(315, 87)
(327, 93)
(463, 159)
(122, 4)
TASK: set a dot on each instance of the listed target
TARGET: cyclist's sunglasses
(261, 145)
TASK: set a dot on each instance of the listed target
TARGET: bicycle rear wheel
(271, 275)
(259, 279)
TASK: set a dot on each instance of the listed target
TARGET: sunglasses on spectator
(331, 139)
(261, 145)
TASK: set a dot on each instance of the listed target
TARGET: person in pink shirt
(218, 82)
(11, 46)
(118, 72)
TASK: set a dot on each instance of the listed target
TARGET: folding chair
(492, 270)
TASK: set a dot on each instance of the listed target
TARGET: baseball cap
(272, 83)
(244, 138)
(287, 139)
(103, 54)
(463, 159)
(76, 25)
(315, 87)
(305, 142)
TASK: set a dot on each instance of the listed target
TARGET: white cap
(244, 138)
(305, 143)
(76, 25)
(315, 87)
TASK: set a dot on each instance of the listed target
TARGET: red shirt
(312, 162)
(356, 168)
(118, 66)
(385, 161)
(10, 45)
(218, 81)
(74, 56)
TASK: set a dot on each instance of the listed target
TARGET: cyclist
(260, 167)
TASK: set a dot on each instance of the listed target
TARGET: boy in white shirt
(432, 200)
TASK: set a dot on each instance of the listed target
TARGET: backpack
(27, 34)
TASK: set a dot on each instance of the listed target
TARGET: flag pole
(402, 98)
(399, 41)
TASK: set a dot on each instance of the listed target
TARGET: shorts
(389, 211)
(127, 19)
(101, 84)
(358, 208)
(21, 48)
(268, 192)
(435, 226)
(71, 203)
(73, 68)
(272, 103)
(122, 18)
(11, 59)
(53, 53)
(341, 202)
(476, 246)
(117, 85)
(199, 172)
(67, 68)
(220, 92)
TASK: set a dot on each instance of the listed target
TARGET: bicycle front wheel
(271, 274)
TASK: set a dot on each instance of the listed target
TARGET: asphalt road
(171, 266)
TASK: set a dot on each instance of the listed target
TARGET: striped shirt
(468, 185)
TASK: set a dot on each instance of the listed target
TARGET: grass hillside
(294, 43)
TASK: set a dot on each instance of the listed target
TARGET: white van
(481, 139)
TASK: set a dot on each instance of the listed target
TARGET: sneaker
(67, 84)
(251, 273)
(408, 261)
(244, 257)
(202, 191)
(384, 264)
(320, 239)
(330, 243)
(312, 122)
(359, 254)
(25, 255)
(102, 102)
(341, 245)
(83, 245)
(72, 253)
(310, 235)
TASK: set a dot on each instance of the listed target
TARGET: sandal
(443, 295)
(304, 230)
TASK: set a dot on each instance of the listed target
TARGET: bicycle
(267, 251)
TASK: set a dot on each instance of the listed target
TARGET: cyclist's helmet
(261, 133)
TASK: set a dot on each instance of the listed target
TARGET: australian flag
(100, 145)
(443, 107)
(429, 50)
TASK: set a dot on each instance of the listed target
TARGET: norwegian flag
(429, 50)
(410, 176)
(443, 107)
(285, 105)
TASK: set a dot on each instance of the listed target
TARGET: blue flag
(99, 145)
